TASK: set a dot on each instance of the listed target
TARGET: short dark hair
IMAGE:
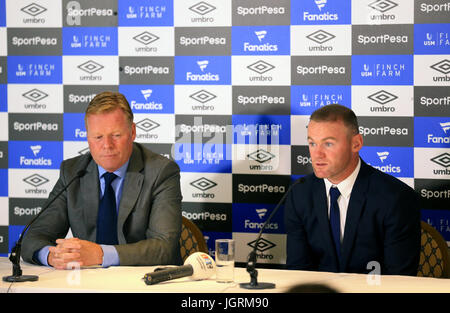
(336, 112)
(108, 101)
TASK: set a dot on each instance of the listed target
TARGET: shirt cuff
(42, 255)
(110, 256)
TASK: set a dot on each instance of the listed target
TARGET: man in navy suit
(371, 223)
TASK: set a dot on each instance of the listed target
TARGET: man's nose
(317, 152)
(108, 142)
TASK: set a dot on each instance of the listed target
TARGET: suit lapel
(132, 186)
(89, 186)
(354, 211)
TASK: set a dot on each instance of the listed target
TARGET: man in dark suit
(348, 216)
(133, 220)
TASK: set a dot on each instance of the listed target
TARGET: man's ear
(133, 131)
(357, 142)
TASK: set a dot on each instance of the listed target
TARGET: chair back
(191, 239)
(434, 255)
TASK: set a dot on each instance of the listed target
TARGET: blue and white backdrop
(225, 88)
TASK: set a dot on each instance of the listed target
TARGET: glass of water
(224, 260)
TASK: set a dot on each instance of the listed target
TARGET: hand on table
(74, 250)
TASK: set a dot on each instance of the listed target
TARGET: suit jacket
(382, 225)
(149, 217)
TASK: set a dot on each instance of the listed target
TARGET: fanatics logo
(382, 97)
(90, 67)
(260, 67)
(383, 155)
(320, 4)
(36, 149)
(203, 184)
(203, 64)
(146, 93)
(35, 180)
(261, 212)
(261, 34)
(445, 126)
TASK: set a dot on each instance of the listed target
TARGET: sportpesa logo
(383, 131)
(202, 41)
(261, 188)
(321, 70)
(37, 126)
(35, 41)
(261, 10)
(146, 70)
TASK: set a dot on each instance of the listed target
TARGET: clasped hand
(74, 251)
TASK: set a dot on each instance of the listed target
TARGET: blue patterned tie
(335, 220)
(107, 214)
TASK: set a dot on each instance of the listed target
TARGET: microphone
(16, 251)
(251, 259)
(197, 266)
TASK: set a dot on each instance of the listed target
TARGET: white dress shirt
(345, 188)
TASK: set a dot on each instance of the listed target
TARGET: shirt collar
(121, 171)
(345, 187)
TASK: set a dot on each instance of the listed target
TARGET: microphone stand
(16, 251)
(252, 257)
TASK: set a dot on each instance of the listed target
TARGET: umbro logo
(261, 156)
(147, 125)
(382, 97)
(35, 180)
(442, 66)
(261, 244)
(260, 67)
(383, 5)
(320, 36)
(35, 95)
(33, 9)
(202, 8)
(90, 67)
(202, 96)
(203, 184)
(442, 159)
(146, 38)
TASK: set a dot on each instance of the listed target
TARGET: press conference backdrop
(225, 88)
